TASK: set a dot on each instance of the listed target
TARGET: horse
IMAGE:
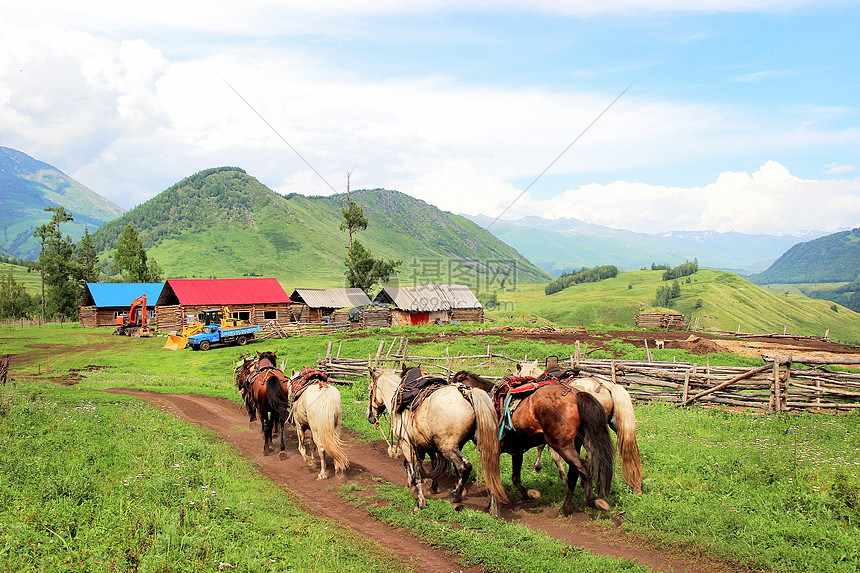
(241, 375)
(563, 418)
(313, 404)
(618, 406)
(444, 421)
(262, 381)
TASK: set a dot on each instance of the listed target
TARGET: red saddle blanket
(305, 378)
(517, 389)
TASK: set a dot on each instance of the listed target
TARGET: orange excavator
(134, 323)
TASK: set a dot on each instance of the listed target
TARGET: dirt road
(369, 460)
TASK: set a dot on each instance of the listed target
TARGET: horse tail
(487, 434)
(598, 443)
(628, 447)
(324, 418)
(278, 400)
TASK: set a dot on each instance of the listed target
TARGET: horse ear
(519, 367)
(535, 363)
(294, 372)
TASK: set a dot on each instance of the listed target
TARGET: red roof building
(254, 300)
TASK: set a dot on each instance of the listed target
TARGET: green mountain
(830, 259)
(224, 223)
(27, 186)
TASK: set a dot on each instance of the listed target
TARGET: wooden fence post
(777, 399)
(647, 350)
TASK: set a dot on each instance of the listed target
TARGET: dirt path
(370, 461)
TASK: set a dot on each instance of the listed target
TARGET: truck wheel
(204, 345)
(242, 341)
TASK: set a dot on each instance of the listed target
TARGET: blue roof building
(103, 302)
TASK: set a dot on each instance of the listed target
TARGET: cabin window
(242, 315)
(270, 314)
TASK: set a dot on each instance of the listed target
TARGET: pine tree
(60, 287)
(131, 261)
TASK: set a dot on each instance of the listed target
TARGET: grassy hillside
(728, 302)
(831, 259)
(224, 223)
(27, 186)
(31, 280)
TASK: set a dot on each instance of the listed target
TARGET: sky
(646, 115)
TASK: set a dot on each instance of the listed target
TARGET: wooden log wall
(784, 383)
(374, 317)
(468, 314)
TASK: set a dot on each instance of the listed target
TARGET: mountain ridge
(28, 187)
(223, 222)
(576, 244)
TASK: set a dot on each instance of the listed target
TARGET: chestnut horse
(564, 419)
(261, 380)
(443, 423)
(242, 377)
(618, 406)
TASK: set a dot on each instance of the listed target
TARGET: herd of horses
(533, 407)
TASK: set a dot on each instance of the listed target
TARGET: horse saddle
(305, 378)
(415, 386)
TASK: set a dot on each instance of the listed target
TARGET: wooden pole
(614, 379)
(748, 374)
(647, 350)
(686, 388)
(576, 350)
(777, 399)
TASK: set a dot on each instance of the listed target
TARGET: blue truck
(217, 334)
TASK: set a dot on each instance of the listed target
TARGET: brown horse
(262, 379)
(242, 371)
(564, 419)
(445, 420)
(618, 406)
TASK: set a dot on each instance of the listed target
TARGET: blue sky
(739, 115)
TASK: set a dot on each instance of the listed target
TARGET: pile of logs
(662, 320)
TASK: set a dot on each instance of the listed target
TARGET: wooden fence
(784, 383)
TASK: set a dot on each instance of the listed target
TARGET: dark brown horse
(261, 380)
(242, 371)
(564, 419)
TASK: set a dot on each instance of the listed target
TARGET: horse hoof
(415, 510)
(322, 476)
(533, 494)
(283, 455)
(458, 506)
(601, 504)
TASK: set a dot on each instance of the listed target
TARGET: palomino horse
(445, 420)
(262, 379)
(313, 404)
(561, 417)
(618, 406)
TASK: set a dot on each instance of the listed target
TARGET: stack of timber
(374, 317)
(662, 320)
(274, 329)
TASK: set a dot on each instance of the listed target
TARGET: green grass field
(767, 492)
(728, 302)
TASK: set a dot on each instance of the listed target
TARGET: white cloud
(770, 200)
(838, 168)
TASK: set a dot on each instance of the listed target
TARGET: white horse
(619, 413)
(443, 423)
(318, 409)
